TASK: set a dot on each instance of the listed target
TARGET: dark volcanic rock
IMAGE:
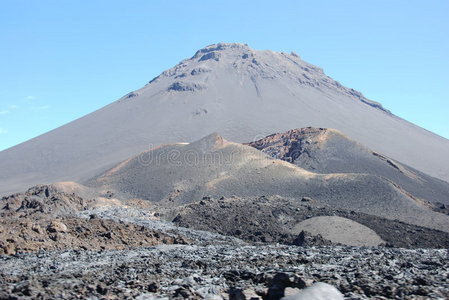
(221, 272)
(41, 199)
(307, 239)
(185, 86)
(270, 219)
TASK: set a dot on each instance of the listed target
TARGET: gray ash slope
(212, 166)
(328, 151)
(228, 88)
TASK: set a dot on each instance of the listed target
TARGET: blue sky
(60, 60)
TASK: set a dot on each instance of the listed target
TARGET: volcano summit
(241, 93)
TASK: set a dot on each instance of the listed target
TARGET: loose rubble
(55, 245)
(225, 272)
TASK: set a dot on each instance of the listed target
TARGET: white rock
(318, 291)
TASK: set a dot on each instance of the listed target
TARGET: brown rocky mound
(45, 218)
(25, 235)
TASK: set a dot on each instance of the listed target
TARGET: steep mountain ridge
(241, 93)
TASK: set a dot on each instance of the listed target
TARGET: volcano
(178, 174)
(241, 93)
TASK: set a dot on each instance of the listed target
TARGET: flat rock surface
(217, 272)
(340, 230)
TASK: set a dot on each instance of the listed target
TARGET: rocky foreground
(225, 272)
(56, 245)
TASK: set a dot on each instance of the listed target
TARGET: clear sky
(60, 60)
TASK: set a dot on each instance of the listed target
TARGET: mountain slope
(325, 151)
(212, 166)
(232, 89)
